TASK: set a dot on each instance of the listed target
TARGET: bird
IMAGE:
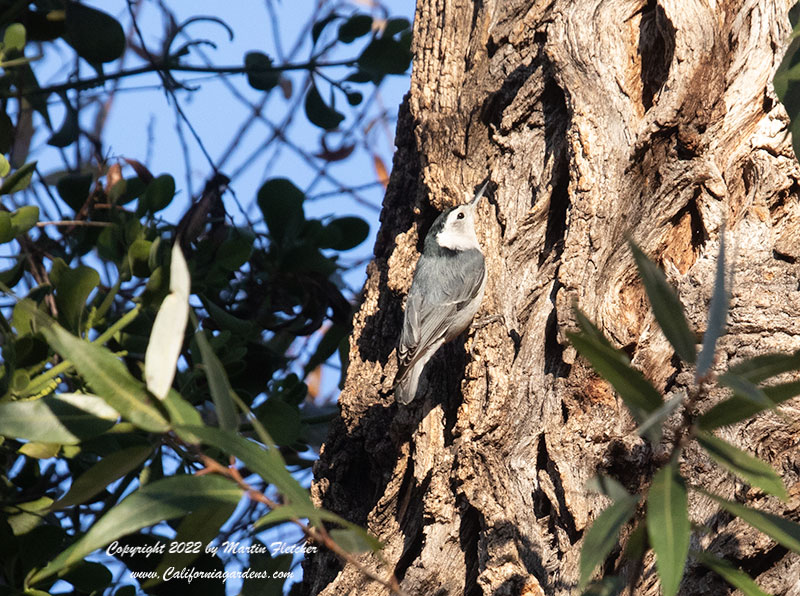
(446, 291)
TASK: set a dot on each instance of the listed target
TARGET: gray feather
(438, 315)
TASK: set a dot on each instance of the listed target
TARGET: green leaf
(356, 26)
(109, 469)
(70, 129)
(267, 462)
(163, 499)
(327, 347)
(73, 287)
(96, 36)
(19, 180)
(781, 530)
(612, 585)
(126, 190)
(761, 368)
(89, 577)
(14, 38)
(316, 30)
(169, 328)
(666, 306)
(717, 313)
(23, 517)
(74, 189)
(603, 535)
(5, 166)
(735, 577)
(385, 56)
(654, 422)
(258, 67)
(218, 384)
(107, 376)
(281, 203)
(40, 450)
(636, 391)
(668, 526)
(236, 250)
(158, 194)
(352, 541)
(319, 113)
(278, 515)
(740, 407)
(395, 26)
(201, 525)
(756, 472)
(18, 222)
(354, 98)
(345, 233)
(7, 137)
(282, 420)
(24, 218)
(608, 486)
(65, 419)
(723, 414)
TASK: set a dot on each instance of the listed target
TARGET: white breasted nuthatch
(445, 293)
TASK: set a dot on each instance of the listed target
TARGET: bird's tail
(406, 389)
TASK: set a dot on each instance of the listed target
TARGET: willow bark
(596, 119)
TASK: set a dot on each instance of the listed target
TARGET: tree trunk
(596, 119)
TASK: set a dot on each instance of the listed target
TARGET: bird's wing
(429, 315)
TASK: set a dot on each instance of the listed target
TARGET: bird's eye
(460, 215)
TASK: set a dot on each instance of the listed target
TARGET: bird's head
(455, 228)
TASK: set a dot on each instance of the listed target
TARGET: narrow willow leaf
(637, 393)
(374, 544)
(181, 412)
(53, 418)
(163, 499)
(754, 471)
(351, 541)
(166, 338)
(781, 530)
(603, 535)
(591, 330)
(266, 462)
(218, 384)
(738, 407)
(717, 313)
(668, 526)
(666, 306)
(735, 577)
(109, 469)
(657, 418)
(279, 515)
(108, 377)
(608, 486)
(747, 400)
(613, 585)
(201, 525)
(765, 366)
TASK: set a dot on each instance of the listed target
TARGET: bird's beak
(474, 202)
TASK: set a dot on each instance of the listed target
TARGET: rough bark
(596, 119)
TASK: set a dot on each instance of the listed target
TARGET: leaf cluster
(659, 516)
(155, 374)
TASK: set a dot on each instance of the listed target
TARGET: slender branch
(164, 67)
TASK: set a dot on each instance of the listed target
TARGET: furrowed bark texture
(595, 119)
